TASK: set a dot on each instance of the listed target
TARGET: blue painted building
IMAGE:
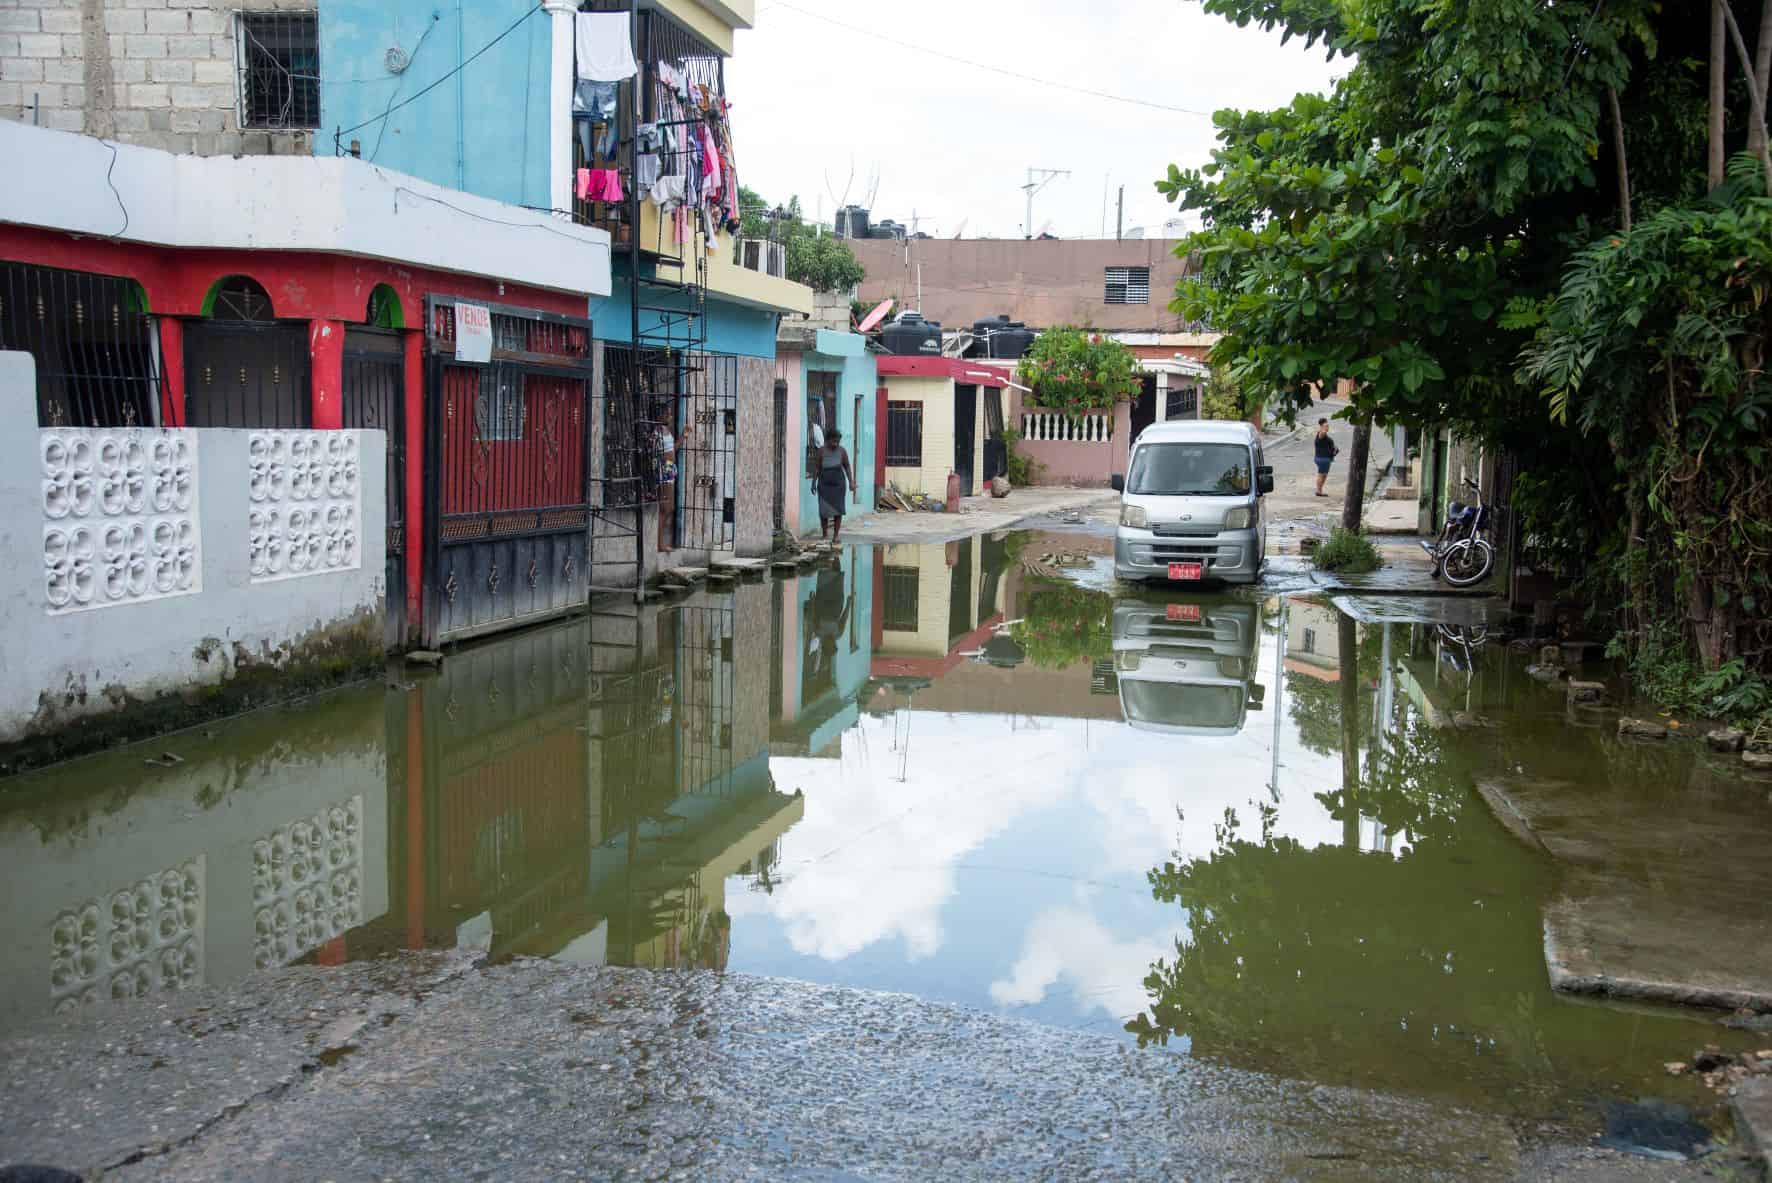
(830, 380)
(478, 95)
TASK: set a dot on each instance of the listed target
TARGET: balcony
(681, 92)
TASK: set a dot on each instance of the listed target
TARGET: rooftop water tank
(910, 335)
(998, 336)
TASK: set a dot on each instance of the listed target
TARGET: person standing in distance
(1326, 450)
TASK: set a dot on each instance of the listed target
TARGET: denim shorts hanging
(595, 100)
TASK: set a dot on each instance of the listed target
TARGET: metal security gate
(96, 349)
(246, 374)
(374, 399)
(707, 490)
(507, 472)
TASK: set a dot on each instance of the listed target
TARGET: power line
(1100, 94)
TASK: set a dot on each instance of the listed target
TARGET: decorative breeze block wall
(143, 939)
(307, 883)
(120, 524)
(307, 504)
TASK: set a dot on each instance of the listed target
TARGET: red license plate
(1187, 571)
(1189, 612)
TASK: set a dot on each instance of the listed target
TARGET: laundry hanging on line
(605, 44)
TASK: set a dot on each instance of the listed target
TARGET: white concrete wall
(148, 563)
(65, 182)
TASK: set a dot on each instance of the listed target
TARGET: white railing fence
(1057, 427)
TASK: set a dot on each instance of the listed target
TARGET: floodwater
(1238, 827)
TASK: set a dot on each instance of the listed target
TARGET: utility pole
(1038, 179)
(1120, 216)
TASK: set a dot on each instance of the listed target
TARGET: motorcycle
(1461, 553)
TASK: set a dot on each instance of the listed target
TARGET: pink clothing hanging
(710, 159)
(599, 184)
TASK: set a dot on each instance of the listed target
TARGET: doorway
(1144, 411)
(965, 434)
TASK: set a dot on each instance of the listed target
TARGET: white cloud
(1069, 946)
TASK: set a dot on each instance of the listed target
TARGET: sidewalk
(978, 515)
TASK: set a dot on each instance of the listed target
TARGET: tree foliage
(1076, 370)
(821, 261)
(1438, 231)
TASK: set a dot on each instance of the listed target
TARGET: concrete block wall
(183, 573)
(159, 73)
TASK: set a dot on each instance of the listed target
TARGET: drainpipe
(560, 78)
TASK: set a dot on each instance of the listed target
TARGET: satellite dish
(876, 316)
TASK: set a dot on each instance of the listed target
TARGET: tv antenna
(1038, 179)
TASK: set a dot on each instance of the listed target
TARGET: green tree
(1076, 370)
(1411, 232)
(821, 261)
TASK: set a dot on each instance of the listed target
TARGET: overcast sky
(954, 143)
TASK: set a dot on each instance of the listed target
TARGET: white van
(1190, 504)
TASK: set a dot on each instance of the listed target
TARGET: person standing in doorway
(1326, 450)
(834, 472)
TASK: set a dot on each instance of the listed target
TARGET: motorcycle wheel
(1469, 562)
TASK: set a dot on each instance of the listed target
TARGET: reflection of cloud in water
(876, 859)
(1069, 945)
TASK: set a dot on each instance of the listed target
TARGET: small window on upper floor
(279, 55)
(1128, 285)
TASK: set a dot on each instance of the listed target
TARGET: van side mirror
(1264, 479)
(1118, 482)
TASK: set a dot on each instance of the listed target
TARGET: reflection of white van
(1190, 504)
(1187, 667)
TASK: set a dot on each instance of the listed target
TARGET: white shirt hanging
(605, 46)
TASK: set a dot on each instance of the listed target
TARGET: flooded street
(1239, 829)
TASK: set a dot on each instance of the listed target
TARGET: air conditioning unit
(759, 254)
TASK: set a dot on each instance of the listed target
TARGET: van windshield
(1190, 469)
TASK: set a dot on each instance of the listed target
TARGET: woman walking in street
(1326, 450)
(834, 472)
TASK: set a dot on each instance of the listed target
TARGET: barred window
(279, 70)
(1127, 285)
(904, 434)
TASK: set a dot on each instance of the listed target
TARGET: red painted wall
(303, 285)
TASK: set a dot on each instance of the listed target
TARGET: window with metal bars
(279, 56)
(93, 342)
(1181, 402)
(904, 434)
(899, 586)
(1127, 285)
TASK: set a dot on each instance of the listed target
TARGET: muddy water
(1239, 828)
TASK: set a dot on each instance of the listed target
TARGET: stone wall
(184, 573)
(755, 508)
(159, 73)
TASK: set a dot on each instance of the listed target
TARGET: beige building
(1108, 284)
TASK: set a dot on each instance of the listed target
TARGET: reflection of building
(825, 621)
(286, 850)
(934, 604)
(1313, 640)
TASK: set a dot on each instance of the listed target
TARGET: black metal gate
(96, 349)
(707, 492)
(374, 398)
(246, 374)
(507, 472)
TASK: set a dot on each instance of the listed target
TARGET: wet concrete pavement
(934, 861)
(428, 1067)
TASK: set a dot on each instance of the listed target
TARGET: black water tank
(852, 222)
(910, 335)
(1001, 337)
